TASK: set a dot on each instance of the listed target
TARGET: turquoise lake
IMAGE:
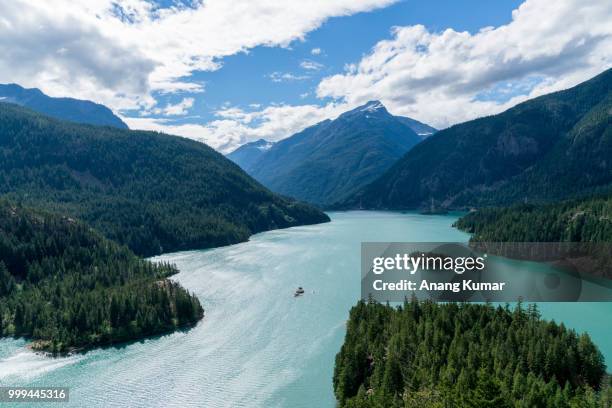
(257, 346)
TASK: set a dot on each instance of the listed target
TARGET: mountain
(74, 110)
(66, 287)
(330, 160)
(420, 128)
(552, 147)
(153, 192)
(247, 154)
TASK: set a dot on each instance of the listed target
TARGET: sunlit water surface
(257, 346)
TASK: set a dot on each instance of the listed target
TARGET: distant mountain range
(421, 129)
(332, 159)
(548, 148)
(153, 192)
(74, 110)
(248, 154)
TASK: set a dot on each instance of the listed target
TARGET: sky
(229, 72)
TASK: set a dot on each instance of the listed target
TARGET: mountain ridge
(74, 110)
(535, 151)
(333, 158)
(420, 128)
(152, 192)
(247, 154)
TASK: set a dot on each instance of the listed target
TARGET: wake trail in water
(26, 365)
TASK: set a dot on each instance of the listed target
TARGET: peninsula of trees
(429, 355)
(66, 287)
(81, 203)
(578, 220)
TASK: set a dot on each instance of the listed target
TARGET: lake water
(257, 346)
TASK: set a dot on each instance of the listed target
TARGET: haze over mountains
(551, 147)
(421, 129)
(332, 159)
(74, 110)
(247, 155)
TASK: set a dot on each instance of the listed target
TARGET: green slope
(579, 220)
(331, 160)
(587, 220)
(551, 147)
(153, 192)
(65, 286)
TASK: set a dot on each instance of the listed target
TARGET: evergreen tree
(67, 287)
(424, 354)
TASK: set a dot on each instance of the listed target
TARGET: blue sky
(245, 78)
(229, 72)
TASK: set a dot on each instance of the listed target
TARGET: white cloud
(446, 77)
(311, 65)
(286, 77)
(235, 126)
(119, 51)
(83, 49)
(437, 76)
(54, 48)
(181, 108)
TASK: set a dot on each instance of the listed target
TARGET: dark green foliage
(329, 161)
(153, 192)
(586, 220)
(427, 355)
(74, 110)
(548, 148)
(67, 287)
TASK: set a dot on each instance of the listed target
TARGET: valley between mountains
(83, 200)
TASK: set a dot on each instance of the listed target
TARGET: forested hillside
(430, 355)
(153, 192)
(65, 286)
(552, 147)
(586, 220)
